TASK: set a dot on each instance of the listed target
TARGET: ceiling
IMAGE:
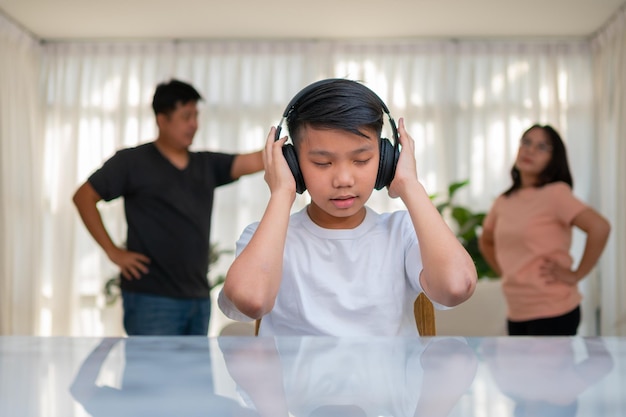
(313, 19)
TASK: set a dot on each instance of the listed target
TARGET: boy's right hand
(278, 175)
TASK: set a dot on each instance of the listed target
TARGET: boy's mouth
(343, 202)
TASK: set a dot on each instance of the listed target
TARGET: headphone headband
(306, 90)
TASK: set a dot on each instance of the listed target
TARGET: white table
(312, 377)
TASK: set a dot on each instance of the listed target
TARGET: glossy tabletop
(312, 377)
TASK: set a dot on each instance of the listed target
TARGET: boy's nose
(343, 177)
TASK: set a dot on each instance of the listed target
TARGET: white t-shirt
(348, 282)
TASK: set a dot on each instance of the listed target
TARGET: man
(168, 199)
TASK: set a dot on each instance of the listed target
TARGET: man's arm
(86, 199)
(132, 264)
(247, 163)
(83, 386)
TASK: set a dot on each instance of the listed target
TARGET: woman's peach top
(529, 225)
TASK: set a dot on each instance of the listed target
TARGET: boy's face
(339, 169)
(179, 127)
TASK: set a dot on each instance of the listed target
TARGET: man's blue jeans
(148, 314)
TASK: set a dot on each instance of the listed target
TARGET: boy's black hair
(339, 104)
(168, 95)
(556, 170)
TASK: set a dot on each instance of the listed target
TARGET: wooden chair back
(424, 317)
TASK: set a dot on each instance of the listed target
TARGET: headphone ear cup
(289, 152)
(386, 164)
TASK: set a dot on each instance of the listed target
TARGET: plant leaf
(452, 188)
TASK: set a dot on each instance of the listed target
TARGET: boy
(337, 267)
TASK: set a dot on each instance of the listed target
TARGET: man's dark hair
(339, 104)
(169, 95)
(556, 170)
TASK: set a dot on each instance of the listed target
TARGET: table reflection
(310, 376)
(314, 377)
(546, 376)
(161, 377)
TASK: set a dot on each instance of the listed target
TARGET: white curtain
(609, 59)
(465, 103)
(21, 204)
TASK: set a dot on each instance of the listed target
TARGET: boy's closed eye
(321, 163)
(328, 163)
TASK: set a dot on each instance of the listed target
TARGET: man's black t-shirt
(168, 212)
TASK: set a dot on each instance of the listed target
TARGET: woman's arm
(597, 229)
(486, 246)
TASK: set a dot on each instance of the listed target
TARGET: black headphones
(389, 153)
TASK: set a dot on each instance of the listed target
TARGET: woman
(527, 236)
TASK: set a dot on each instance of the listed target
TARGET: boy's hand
(278, 175)
(405, 177)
